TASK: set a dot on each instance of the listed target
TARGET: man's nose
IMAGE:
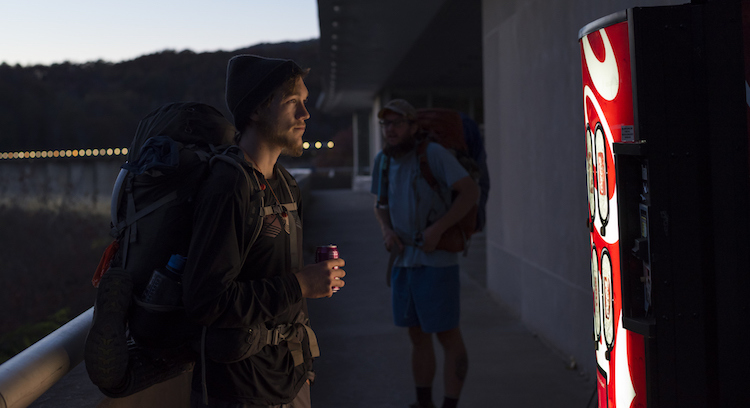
(302, 112)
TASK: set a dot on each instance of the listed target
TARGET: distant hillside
(99, 104)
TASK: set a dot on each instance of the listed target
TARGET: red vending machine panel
(608, 115)
(666, 110)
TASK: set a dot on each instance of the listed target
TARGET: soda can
(325, 252)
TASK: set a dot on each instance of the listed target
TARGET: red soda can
(326, 252)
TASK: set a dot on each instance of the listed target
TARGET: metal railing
(30, 373)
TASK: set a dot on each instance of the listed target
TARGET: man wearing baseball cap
(424, 280)
(236, 279)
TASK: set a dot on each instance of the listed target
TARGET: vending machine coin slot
(641, 247)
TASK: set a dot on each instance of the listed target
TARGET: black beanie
(251, 79)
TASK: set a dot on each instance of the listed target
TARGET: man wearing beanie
(234, 284)
(424, 279)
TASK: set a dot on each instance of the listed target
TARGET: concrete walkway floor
(365, 360)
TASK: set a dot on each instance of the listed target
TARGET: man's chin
(295, 151)
(399, 149)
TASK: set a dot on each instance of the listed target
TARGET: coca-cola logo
(602, 65)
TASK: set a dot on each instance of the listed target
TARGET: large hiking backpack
(130, 346)
(445, 126)
(152, 204)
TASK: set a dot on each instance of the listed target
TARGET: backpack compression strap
(129, 224)
(294, 342)
(383, 185)
(292, 334)
(131, 216)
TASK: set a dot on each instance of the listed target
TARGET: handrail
(30, 373)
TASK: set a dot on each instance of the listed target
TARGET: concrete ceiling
(368, 46)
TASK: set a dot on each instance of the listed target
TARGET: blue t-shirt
(414, 205)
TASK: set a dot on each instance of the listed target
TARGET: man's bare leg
(456, 361)
(422, 357)
(422, 362)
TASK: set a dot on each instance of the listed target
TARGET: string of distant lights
(318, 145)
(64, 154)
(51, 154)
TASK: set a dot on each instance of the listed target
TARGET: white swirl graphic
(612, 233)
(604, 74)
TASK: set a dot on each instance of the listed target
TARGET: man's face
(397, 130)
(283, 122)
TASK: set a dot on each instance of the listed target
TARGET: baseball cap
(400, 106)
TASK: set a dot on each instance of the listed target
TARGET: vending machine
(665, 113)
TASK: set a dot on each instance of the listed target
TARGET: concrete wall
(538, 261)
(78, 184)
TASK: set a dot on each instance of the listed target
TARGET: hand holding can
(326, 252)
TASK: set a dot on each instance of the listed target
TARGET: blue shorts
(425, 296)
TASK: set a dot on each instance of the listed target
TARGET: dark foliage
(98, 104)
(48, 259)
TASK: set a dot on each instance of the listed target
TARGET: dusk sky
(53, 31)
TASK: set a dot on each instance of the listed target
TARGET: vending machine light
(666, 110)
(608, 112)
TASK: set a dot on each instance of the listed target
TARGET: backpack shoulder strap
(117, 192)
(424, 165)
(253, 184)
(383, 185)
(292, 211)
(288, 178)
(288, 181)
(232, 160)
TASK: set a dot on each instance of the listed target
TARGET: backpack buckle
(274, 336)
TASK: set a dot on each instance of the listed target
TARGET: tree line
(99, 104)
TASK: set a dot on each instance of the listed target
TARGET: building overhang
(368, 46)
